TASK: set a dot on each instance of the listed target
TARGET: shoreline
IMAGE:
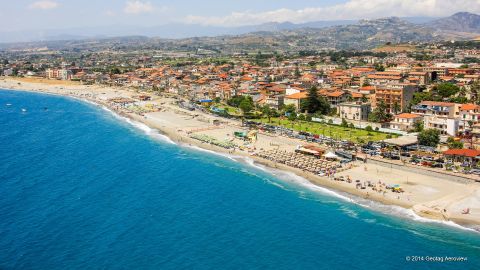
(184, 141)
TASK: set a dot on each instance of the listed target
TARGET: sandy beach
(429, 196)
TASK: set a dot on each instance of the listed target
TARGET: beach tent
(331, 155)
(307, 151)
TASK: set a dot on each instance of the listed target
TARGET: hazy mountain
(174, 30)
(347, 34)
(459, 22)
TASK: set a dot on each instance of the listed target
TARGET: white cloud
(46, 4)
(138, 7)
(352, 9)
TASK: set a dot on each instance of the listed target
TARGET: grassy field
(395, 48)
(231, 110)
(332, 131)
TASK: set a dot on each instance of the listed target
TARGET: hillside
(464, 22)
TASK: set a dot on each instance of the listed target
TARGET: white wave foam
(138, 125)
(392, 210)
(196, 148)
(149, 131)
(404, 213)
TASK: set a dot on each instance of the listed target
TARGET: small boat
(8, 104)
(24, 110)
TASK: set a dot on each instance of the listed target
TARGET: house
(469, 115)
(443, 116)
(437, 108)
(405, 121)
(295, 99)
(293, 90)
(354, 110)
(275, 101)
(334, 97)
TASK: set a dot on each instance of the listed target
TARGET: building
(419, 77)
(405, 121)
(275, 101)
(59, 74)
(295, 99)
(437, 108)
(471, 156)
(395, 97)
(383, 78)
(469, 116)
(52, 73)
(354, 110)
(334, 97)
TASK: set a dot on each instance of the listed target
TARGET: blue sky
(60, 14)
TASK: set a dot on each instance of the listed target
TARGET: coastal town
(399, 124)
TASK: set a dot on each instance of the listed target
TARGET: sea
(83, 188)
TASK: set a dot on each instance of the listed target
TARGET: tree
(297, 72)
(418, 126)
(422, 96)
(366, 83)
(429, 137)
(344, 123)
(380, 113)
(292, 116)
(115, 70)
(369, 128)
(312, 103)
(453, 144)
(475, 91)
(246, 106)
(396, 107)
(290, 108)
(445, 90)
(268, 112)
(379, 67)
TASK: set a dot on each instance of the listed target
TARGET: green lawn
(332, 131)
(231, 110)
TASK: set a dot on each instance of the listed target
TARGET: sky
(63, 14)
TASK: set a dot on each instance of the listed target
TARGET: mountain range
(346, 34)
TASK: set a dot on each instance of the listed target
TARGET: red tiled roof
(437, 103)
(407, 115)
(300, 95)
(462, 152)
(468, 107)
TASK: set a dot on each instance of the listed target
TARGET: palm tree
(267, 112)
(396, 108)
(475, 92)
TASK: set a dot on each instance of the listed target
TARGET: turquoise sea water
(83, 189)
